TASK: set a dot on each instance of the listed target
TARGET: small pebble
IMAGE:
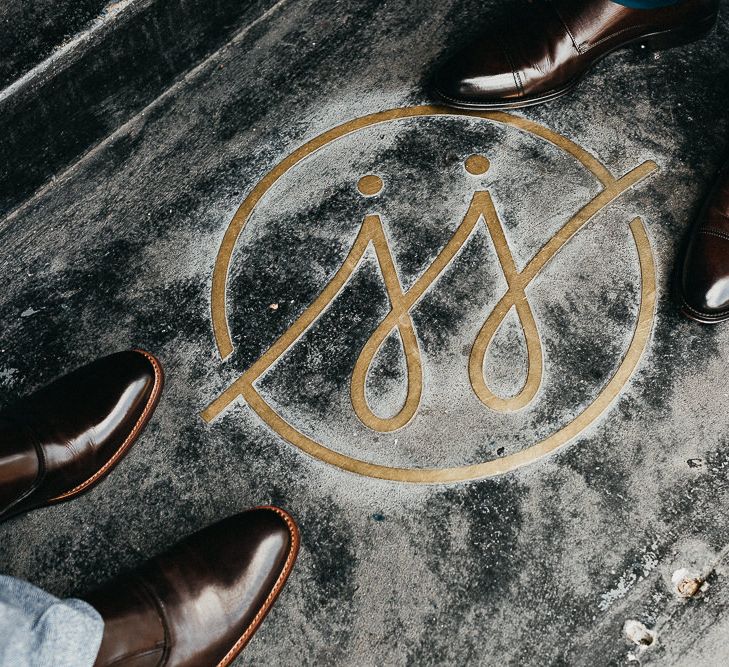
(638, 633)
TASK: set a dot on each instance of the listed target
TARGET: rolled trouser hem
(41, 630)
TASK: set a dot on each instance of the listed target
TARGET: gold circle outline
(463, 473)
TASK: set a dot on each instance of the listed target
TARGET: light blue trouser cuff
(39, 630)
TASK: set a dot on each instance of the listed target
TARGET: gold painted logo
(402, 302)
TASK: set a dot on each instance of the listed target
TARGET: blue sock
(646, 4)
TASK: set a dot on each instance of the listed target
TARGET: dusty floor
(538, 532)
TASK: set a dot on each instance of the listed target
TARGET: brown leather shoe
(61, 440)
(543, 48)
(198, 604)
(704, 284)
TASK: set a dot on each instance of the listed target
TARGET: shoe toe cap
(85, 421)
(705, 279)
(220, 583)
(260, 539)
(201, 601)
(114, 398)
(480, 77)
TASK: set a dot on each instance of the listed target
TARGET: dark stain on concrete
(470, 548)
(329, 558)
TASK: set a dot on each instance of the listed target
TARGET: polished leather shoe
(544, 47)
(704, 284)
(63, 439)
(198, 604)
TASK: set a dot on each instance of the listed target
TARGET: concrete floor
(536, 533)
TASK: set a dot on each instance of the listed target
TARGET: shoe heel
(681, 37)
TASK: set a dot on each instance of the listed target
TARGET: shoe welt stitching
(702, 314)
(715, 232)
(129, 439)
(288, 565)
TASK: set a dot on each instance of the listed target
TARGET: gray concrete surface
(543, 565)
(62, 91)
(31, 30)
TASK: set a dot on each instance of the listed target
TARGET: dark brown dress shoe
(61, 440)
(198, 604)
(704, 284)
(544, 47)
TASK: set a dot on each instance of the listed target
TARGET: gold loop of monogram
(414, 389)
(398, 318)
(516, 298)
(401, 303)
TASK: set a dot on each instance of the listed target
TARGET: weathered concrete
(543, 565)
(97, 79)
(31, 30)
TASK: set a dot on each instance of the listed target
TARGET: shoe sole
(657, 41)
(119, 453)
(275, 591)
(702, 318)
